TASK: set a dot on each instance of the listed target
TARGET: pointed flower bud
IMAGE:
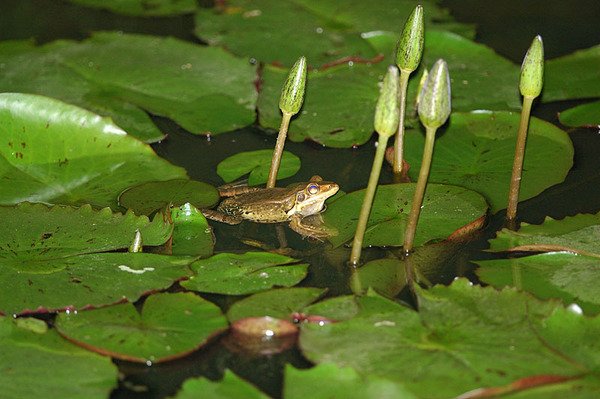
(434, 103)
(410, 45)
(387, 115)
(292, 93)
(532, 69)
(136, 245)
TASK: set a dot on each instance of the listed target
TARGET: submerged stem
(277, 153)
(368, 200)
(413, 218)
(515, 180)
(399, 144)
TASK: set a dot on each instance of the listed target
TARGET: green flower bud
(410, 45)
(292, 93)
(434, 101)
(136, 245)
(532, 69)
(387, 115)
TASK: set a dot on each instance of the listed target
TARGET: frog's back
(265, 206)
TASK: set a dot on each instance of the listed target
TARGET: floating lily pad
(476, 151)
(149, 197)
(230, 387)
(142, 7)
(49, 256)
(571, 278)
(573, 76)
(58, 153)
(445, 210)
(234, 274)
(205, 90)
(169, 326)
(337, 308)
(339, 382)
(279, 303)
(258, 164)
(192, 235)
(586, 115)
(30, 351)
(464, 337)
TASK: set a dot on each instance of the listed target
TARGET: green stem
(515, 180)
(413, 218)
(368, 200)
(277, 153)
(399, 144)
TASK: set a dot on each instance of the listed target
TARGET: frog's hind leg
(221, 217)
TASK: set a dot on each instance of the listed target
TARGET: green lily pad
(328, 381)
(445, 210)
(573, 76)
(146, 8)
(279, 303)
(234, 274)
(169, 326)
(230, 387)
(464, 337)
(476, 151)
(58, 153)
(337, 308)
(258, 164)
(146, 198)
(30, 350)
(586, 115)
(203, 89)
(49, 256)
(192, 235)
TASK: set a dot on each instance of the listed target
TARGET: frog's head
(311, 196)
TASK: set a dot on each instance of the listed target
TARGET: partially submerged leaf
(192, 235)
(586, 115)
(142, 7)
(230, 387)
(257, 163)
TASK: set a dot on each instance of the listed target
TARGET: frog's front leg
(221, 217)
(311, 227)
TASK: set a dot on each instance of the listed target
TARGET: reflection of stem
(515, 180)
(399, 144)
(276, 160)
(413, 218)
(409, 271)
(368, 200)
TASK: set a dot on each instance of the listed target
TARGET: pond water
(505, 26)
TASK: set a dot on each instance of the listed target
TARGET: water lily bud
(136, 245)
(421, 84)
(292, 93)
(532, 70)
(410, 45)
(387, 115)
(434, 104)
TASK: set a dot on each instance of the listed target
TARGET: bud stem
(278, 151)
(399, 144)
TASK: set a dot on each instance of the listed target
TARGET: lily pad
(29, 350)
(476, 151)
(464, 337)
(192, 235)
(445, 210)
(573, 76)
(586, 115)
(279, 303)
(58, 153)
(205, 90)
(258, 164)
(146, 198)
(339, 382)
(234, 274)
(571, 278)
(142, 7)
(230, 387)
(49, 256)
(169, 326)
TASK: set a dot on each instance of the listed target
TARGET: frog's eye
(300, 197)
(313, 189)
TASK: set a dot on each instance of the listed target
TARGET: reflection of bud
(434, 99)
(386, 112)
(532, 69)
(292, 93)
(410, 45)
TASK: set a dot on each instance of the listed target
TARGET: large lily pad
(573, 76)
(258, 164)
(49, 256)
(30, 351)
(587, 115)
(234, 274)
(58, 153)
(464, 337)
(230, 387)
(205, 90)
(476, 151)
(169, 326)
(445, 210)
(142, 7)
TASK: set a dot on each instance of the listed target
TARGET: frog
(290, 204)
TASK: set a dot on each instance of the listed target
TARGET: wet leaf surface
(257, 164)
(192, 235)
